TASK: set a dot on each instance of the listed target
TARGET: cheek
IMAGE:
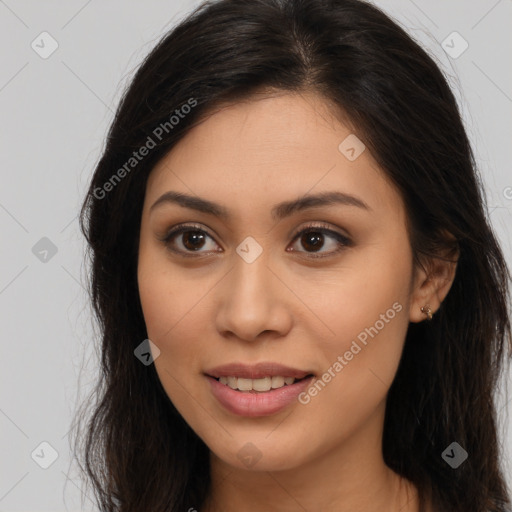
(167, 296)
(365, 298)
(171, 313)
(366, 309)
(170, 309)
(173, 303)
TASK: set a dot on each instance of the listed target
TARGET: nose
(252, 301)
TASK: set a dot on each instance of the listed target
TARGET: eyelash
(322, 228)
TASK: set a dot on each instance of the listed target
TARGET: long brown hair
(136, 450)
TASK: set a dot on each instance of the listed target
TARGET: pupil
(193, 237)
(314, 239)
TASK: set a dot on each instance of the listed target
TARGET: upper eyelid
(322, 227)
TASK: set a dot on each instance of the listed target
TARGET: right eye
(188, 240)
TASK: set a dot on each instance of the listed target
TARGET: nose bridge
(250, 285)
(250, 301)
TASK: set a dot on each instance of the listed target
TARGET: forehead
(271, 148)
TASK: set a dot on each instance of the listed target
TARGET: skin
(285, 306)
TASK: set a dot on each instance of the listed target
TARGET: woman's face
(243, 289)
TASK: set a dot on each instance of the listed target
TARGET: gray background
(54, 116)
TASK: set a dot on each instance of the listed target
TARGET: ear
(431, 284)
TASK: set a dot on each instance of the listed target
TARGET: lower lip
(260, 403)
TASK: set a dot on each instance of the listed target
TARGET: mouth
(257, 397)
(260, 389)
(261, 385)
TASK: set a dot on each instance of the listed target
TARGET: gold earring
(427, 311)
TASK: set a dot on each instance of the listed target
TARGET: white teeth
(262, 385)
(244, 384)
(277, 382)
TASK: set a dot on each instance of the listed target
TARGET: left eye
(313, 238)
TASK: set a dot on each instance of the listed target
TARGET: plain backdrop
(55, 109)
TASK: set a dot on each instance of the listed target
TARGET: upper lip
(256, 371)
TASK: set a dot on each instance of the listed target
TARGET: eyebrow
(279, 211)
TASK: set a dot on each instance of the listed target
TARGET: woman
(302, 304)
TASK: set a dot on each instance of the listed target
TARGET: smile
(257, 385)
(253, 403)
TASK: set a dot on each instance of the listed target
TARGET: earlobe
(431, 288)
